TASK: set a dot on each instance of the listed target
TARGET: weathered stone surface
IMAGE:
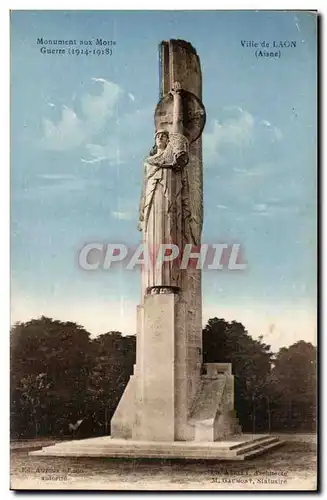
(212, 414)
(238, 448)
(193, 115)
(124, 420)
(171, 396)
(156, 376)
(179, 62)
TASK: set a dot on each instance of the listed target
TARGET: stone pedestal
(156, 399)
(156, 371)
(161, 403)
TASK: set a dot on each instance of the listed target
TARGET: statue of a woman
(161, 210)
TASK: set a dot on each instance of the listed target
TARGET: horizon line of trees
(60, 376)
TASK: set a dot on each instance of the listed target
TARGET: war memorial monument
(174, 406)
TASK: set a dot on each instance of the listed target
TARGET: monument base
(238, 448)
(166, 400)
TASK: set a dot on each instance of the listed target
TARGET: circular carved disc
(194, 115)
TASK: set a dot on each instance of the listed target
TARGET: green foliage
(293, 364)
(59, 375)
(294, 385)
(114, 357)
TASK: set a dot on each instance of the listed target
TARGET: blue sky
(80, 126)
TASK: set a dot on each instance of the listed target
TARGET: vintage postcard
(163, 250)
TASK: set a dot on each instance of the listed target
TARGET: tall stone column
(171, 395)
(180, 62)
(158, 399)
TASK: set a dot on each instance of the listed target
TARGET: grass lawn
(291, 467)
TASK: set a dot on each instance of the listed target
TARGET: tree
(114, 357)
(58, 354)
(294, 378)
(59, 375)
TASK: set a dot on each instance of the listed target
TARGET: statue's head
(161, 139)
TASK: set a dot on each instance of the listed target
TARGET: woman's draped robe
(164, 210)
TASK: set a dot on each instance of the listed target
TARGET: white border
(4, 198)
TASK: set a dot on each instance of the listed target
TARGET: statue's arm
(179, 143)
(177, 127)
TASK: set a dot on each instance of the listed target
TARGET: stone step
(252, 441)
(214, 454)
(263, 449)
(112, 448)
(126, 448)
(255, 446)
(168, 451)
(152, 455)
(138, 449)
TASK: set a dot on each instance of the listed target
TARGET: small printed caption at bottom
(269, 477)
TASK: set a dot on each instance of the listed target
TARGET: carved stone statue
(165, 210)
(161, 203)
